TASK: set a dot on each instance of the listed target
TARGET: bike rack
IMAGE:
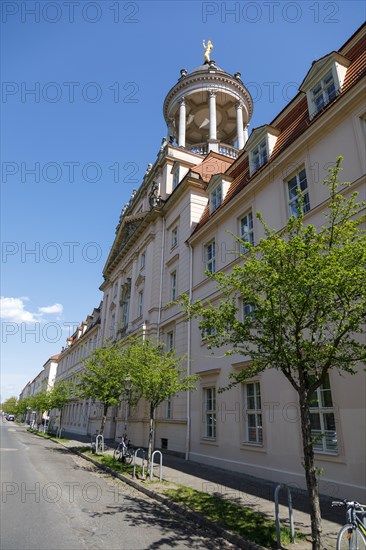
(143, 462)
(290, 513)
(160, 466)
(99, 441)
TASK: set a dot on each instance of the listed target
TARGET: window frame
(216, 197)
(250, 232)
(168, 410)
(322, 410)
(174, 240)
(140, 303)
(210, 261)
(175, 181)
(142, 261)
(210, 413)
(173, 285)
(292, 201)
(259, 155)
(253, 412)
(170, 340)
(323, 86)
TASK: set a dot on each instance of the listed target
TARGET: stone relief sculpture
(154, 197)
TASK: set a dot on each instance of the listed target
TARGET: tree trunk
(104, 419)
(60, 427)
(310, 470)
(151, 436)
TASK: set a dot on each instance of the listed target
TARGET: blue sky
(74, 148)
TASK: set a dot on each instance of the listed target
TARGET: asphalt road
(53, 500)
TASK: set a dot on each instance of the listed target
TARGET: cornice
(213, 78)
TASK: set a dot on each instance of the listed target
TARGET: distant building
(44, 381)
(77, 417)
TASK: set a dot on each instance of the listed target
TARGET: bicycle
(352, 536)
(123, 452)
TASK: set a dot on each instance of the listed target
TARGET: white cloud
(13, 309)
(56, 308)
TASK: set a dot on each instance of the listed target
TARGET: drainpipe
(188, 433)
(161, 278)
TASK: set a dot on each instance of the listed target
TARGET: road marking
(3, 449)
(11, 430)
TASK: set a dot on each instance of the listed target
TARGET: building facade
(44, 381)
(208, 181)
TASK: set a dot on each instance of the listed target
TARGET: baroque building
(207, 182)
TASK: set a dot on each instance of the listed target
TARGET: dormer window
(324, 92)
(259, 155)
(260, 146)
(324, 81)
(217, 189)
(216, 198)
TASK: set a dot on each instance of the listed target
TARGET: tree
(22, 406)
(104, 378)
(9, 405)
(307, 292)
(59, 396)
(155, 375)
(40, 402)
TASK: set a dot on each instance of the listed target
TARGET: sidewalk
(250, 492)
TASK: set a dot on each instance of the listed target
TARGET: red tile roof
(214, 163)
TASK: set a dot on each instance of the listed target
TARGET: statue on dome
(208, 49)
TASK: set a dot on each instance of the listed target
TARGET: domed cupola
(208, 109)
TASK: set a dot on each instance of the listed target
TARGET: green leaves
(155, 374)
(104, 377)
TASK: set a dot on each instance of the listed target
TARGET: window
(210, 412)
(259, 155)
(125, 303)
(173, 285)
(216, 198)
(247, 231)
(143, 260)
(323, 428)
(298, 182)
(170, 341)
(175, 178)
(140, 303)
(212, 331)
(210, 251)
(168, 407)
(115, 291)
(112, 327)
(174, 237)
(253, 413)
(248, 311)
(125, 310)
(324, 92)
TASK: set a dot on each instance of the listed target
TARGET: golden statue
(208, 50)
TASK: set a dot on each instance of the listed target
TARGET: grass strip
(116, 465)
(252, 526)
(46, 435)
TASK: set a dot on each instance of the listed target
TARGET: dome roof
(206, 67)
